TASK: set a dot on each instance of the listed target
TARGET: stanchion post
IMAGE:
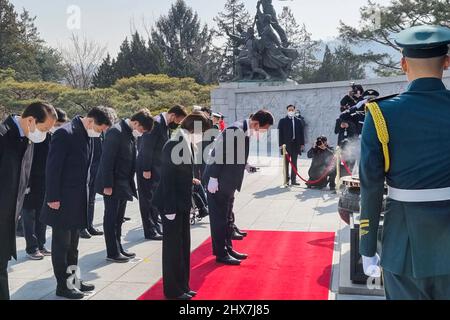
(338, 169)
(285, 167)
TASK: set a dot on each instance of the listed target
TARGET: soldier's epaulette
(383, 98)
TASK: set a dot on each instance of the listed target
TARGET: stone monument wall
(318, 103)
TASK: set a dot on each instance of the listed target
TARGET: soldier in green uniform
(406, 143)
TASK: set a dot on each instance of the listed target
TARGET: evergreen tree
(124, 65)
(326, 70)
(186, 45)
(105, 76)
(234, 14)
(22, 49)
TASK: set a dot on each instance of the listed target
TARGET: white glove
(371, 266)
(213, 185)
(171, 217)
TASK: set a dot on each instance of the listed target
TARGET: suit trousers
(64, 253)
(112, 224)
(176, 254)
(34, 230)
(400, 287)
(222, 221)
(91, 205)
(149, 212)
(293, 152)
(4, 288)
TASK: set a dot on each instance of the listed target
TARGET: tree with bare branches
(81, 59)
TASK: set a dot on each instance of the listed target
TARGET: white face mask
(37, 136)
(137, 134)
(93, 134)
(291, 114)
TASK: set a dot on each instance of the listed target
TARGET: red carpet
(281, 266)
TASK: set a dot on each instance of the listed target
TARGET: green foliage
(156, 92)
(380, 24)
(341, 65)
(22, 49)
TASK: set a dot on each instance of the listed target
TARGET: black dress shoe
(237, 236)
(228, 260)
(95, 232)
(119, 259)
(184, 296)
(240, 232)
(84, 234)
(158, 229)
(69, 294)
(295, 184)
(86, 287)
(237, 255)
(192, 293)
(156, 237)
(126, 219)
(127, 254)
(203, 213)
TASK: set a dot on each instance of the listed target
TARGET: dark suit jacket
(229, 173)
(150, 147)
(117, 163)
(351, 131)
(35, 199)
(286, 134)
(12, 150)
(68, 163)
(176, 179)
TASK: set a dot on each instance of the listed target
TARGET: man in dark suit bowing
(292, 134)
(67, 191)
(148, 171)
(224, 174)
(115, 178)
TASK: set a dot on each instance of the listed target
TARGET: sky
(108, 22)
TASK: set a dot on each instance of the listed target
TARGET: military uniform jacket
(416, 236)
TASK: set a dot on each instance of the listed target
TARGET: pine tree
(234, 14)
(326, 71)
(105, 76)
(186, 45)
(124, 66)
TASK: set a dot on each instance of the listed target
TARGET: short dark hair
(189, 122)
(40, 111)
(291, 105)
(102, 116)
(178, 110)
(263, 117)
(145, 119)
(62, 115)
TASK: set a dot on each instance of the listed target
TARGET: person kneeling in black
(322, 157)
(115, 178)
(177, 181)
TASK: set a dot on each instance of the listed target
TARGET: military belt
(423, 195)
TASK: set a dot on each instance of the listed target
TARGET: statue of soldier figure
(267, 57)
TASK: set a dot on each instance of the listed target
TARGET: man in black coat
(148, 171)
(66, 199)
(34, 230)
(292, 134)
(17, 135)
(115, 178)
(224, 176)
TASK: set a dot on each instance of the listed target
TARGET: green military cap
(424, 42)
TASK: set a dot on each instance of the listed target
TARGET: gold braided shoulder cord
(382, 131)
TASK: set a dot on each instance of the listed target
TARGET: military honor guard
(415, 164)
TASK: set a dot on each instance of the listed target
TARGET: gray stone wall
(318, 103)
